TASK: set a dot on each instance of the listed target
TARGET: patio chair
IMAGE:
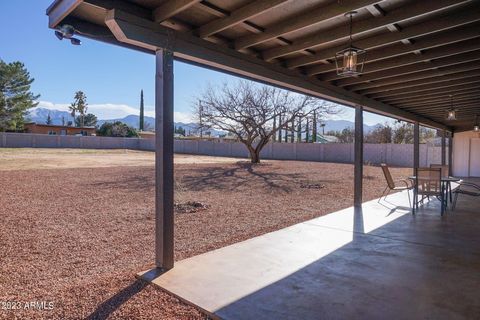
(466, 188)
(392, 185)
(445, 173)
(428, 183)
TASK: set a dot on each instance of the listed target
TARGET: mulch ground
(76, 237)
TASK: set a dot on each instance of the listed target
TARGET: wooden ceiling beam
(437, 100)
(437, 24)
(456, 72)
(443, 94)
(437, 40)
(387, 68)
(170, 8)
(417, 8)
(246, 12)
(302, 20)
(457, 102)
(426, 88)
(247, 25)
(419, 67)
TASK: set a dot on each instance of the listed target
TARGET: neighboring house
(146, 134)
(54, 129)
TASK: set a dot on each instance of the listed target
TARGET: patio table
(446, 182)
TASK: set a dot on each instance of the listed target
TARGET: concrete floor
(376, 263)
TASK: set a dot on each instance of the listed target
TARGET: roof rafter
(389, 66)
(170, 8)
(426, 88)
(299, 21)
(417, 8)
(438, 40)
(246, 12)
(444, 22)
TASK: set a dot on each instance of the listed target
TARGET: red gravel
(76, 237)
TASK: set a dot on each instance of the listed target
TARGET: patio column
(450, 153)
(164, 219)
(416, 146)
(444, 148)
(358, 162)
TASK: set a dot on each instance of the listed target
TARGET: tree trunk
(307, 133)
(274, 128)
(314, 127)
(279, 128)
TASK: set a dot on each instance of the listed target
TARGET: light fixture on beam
(476, 125)
(452, 112)
(350, 61)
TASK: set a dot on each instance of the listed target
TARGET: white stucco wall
(466, 154)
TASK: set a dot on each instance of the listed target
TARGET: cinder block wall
(392, 154)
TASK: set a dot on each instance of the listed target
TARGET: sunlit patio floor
(376, 263)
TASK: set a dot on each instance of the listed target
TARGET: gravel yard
(75, 235)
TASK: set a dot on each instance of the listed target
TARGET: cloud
(113, 111)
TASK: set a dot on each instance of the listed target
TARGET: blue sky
(111, 76)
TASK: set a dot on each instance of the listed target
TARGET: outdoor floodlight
(67, 31)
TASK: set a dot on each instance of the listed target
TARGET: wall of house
(392, 154)
(466, 154)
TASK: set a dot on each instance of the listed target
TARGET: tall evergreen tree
(49, 119)
(142, 117)
(15, 95)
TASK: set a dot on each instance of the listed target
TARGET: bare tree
(247, 110)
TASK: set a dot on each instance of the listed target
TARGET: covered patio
(377, 261)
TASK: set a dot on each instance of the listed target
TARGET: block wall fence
(392, 154)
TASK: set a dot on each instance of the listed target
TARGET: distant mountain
(339, 125)
(133, 121)
(40, 115)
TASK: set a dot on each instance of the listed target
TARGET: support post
(164, 219)
(358, 163)
(416, 146)
(450, 154)
(444, 148)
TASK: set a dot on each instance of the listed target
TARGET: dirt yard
(78, 224)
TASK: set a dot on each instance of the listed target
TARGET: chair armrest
(406, 182)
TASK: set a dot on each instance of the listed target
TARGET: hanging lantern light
(350, 61)
(476, 125)
(452, 112)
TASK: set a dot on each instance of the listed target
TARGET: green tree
(142, 116)
(116, 129)
(381, 134)
(90, 120)
(403, 133)
(180, 130)
(15, 95)
(49, 119)
(79, 105)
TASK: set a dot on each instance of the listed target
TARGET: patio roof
(419, 52)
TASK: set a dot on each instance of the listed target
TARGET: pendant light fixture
(476, 125)
(452, 112)
(350, 61)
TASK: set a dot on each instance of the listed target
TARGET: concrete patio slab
(376, 263)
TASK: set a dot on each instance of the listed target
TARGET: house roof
(58, 126)
(418, 52)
